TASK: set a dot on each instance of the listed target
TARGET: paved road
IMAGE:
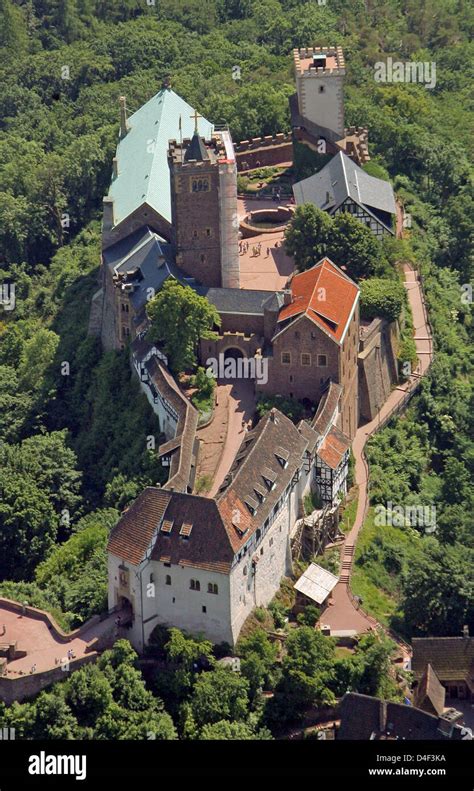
(342, 614)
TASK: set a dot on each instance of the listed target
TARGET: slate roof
(341, 178)
(142, 154)
(196, 150)
(363, 717)
(430, 694)
(236, 300)
(333, 447)
(326, 295)
(146, 253)
(452, 658)
(311, 436)
(256, 463)
(136, 528)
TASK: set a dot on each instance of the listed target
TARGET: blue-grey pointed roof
(142, 163)
(341, 178)
(147, 258)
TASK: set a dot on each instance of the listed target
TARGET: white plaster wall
(180, 606)
(249, 590)
(325, 109)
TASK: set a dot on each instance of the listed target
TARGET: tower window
(322, 89)
(305, 359)
(203, 258)
(204, 608)
(199, 184)
(322, 360)
(286, 358)
(208, 232)
(168, 579)
(195, 234)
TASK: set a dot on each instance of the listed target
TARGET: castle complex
(202, 563)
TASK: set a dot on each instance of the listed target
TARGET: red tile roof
(325, 294)
(334, 447)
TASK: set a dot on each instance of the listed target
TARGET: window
(204, 608)
(261, 550)
(297, 335)
(208, 232)
(286, 358)
(313, 336)
(322, 360)
(168, 565)
(203, 258)
(125, 307)
(195, 234)
(152, 577)
(212, 588)
(199, 184)
(290, 378)
(195, 585)
(322, 89)
(168, 579)
(305, 359)
(271, 542)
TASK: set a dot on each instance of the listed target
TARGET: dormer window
(282, 456)
(269, 478)
(251, 504)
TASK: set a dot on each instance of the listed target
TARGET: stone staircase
(346, 563)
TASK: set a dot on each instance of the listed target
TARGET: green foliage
(380, 297)
(289, 406)
(218, 695)
(179, 318)
(312, 234)
(205, 386)
(107, 700)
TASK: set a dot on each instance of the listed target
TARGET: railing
(396, 409)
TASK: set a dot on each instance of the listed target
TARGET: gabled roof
(256, 463)
(149, 256)
(133, 532)
(237, 300)
(142, 154)
(334, 447)
(341, 178)
(326, 295)
(452, 658)
(430, 694)
(316, 583)
(206, 545)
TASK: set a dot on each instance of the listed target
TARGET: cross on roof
(195, 115)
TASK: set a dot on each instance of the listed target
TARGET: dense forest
(73, 426)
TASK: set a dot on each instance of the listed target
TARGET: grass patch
(203, 484)
(382, 555)
(350, 510)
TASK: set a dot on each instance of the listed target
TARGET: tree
(308, 670)
(306, 235)
(438, 592)
(179, 319)
(381, 297)
(233, 731)
(218, 695)
(258, 656)
(353, 245)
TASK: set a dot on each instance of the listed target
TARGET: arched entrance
(233, 353)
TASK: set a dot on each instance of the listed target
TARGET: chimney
(287, 296)
(465, 630)
(115, 167)
(108, 215)
(166, 84)
(123, 116)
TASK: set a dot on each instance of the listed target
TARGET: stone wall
(377, 363)
(259, 152)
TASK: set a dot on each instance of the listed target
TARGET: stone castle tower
(204, 221)
(319, 77)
